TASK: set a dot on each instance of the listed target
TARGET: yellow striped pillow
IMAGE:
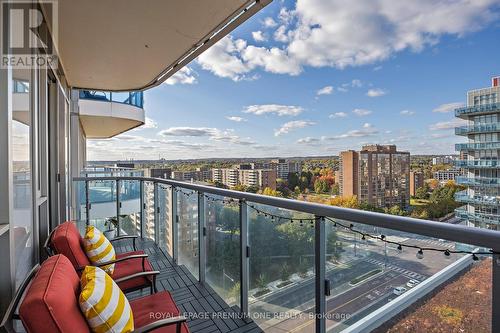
(99, 249)
(103, 303)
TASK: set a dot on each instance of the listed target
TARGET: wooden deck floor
(192, 297)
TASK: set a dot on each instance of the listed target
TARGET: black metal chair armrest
(136, 275)
(10, 313)
(161, 323)
(119, 238)
(134, 256)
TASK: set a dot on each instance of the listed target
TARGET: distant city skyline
(298, 80)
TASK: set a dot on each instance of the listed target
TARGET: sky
(316, 77)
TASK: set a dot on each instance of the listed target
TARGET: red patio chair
(50, 304)
(66, 239)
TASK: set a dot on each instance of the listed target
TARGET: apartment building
(244, 174)
(416, 181)
(480, 157)
(165, 173)
(378, 175)
(443, 159)
(445, 175)
(284, 167)
(198, 175)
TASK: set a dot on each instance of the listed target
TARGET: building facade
(198, 175)
(378, 175)
(416, 181)
(244, 174)
(446, 175)
(284, 167)
(480, 157)
(443, 159)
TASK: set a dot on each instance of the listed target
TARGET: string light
(420, 250)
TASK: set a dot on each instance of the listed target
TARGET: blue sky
(315, 77)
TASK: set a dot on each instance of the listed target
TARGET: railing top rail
(455, 233)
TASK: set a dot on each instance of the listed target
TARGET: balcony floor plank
(190, 295)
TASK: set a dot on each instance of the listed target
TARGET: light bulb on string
(420, 254)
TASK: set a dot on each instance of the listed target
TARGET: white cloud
(337, 115)
(325, 91)
(280, 110)
(320, 33)
(126, 137)
(148, 124)
(445, 125)
(269, 22)
(280, 35)
(185, 75)
(308, 140)
(448, 107)
(223, 59)
(259, 36)
(292, 125)
(407, 113)
(376, 92)
(236, 119)
(361, 112)
(214, 134)
(367, 130)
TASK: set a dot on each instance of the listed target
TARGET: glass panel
(149, 211)
(102, 212)
(367, 273)
(187, 210)
(130, 211)
(95, 95)
(223, 248)
(22, 220)
(282, 289)
(164, 218)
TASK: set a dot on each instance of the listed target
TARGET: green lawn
(419, 202)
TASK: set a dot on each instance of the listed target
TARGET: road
(351, 303)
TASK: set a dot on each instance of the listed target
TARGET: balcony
(479, 128)
(481, 182)
(477, 146)
(106, 114)
(285, 265)
(477, 218)
(477, 110)
(487, 164)
(486, 200)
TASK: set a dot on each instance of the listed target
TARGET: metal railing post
(175, 224)
(143, 208)
(157, 212)
(118, 205)
(87, 204)
(495, 289)
(320, 277)
(202, 256)
(244, 257)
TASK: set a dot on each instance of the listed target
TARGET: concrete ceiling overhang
(133, 45)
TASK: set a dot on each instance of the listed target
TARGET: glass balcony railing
(134, 98)
(478, 181)
(477, 109)
(21, 86)
(464, 197)
(475, 217)
(477, 146)
(477, 163)
(479, 128)
(295, 266)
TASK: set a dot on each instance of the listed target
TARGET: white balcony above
(103, 116)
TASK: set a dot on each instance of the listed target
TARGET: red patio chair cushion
(158, 306)
(129, 267)
(51, 301)
(67, 240)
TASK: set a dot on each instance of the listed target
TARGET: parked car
(399, 290)
(412, 283)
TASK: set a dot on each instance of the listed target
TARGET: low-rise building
(200, 175)
(446, 175)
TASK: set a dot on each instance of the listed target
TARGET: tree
(348, 202)
(422, 193)
(240, 187)
(285, 272)
(433, 183)
(261, 281)
(274, 193)
(333, 245)
(321, 186)
(335, 189)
